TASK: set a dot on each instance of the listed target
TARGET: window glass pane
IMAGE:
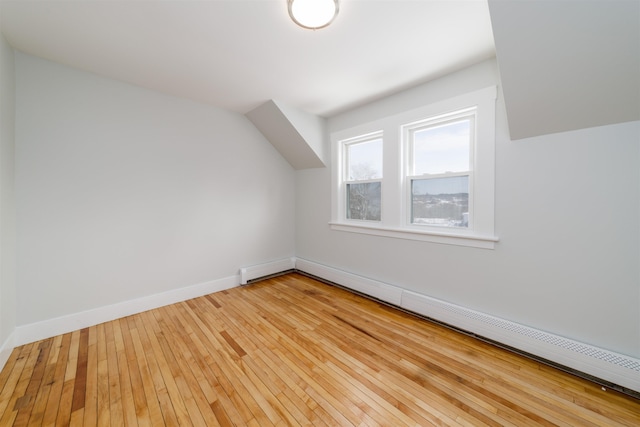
(363, 201)
(365, 160)
(440, 201)
(442, 149)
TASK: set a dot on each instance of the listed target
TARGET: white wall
(567, 209)
(124, 193)
(7, 200)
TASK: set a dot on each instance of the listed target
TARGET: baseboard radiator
(261, 271)
(614, 370)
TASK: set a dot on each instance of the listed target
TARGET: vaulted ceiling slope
(298, 136)
(567, 65)
(564, 64)
(238, 54)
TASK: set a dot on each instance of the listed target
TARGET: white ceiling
(567, 65)
(237, 54)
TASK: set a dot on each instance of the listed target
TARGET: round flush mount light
(313, 14)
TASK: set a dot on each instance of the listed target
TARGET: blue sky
(442, 149)
(436, 150)
(366, 153)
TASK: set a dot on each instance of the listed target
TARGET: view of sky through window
(442, 149)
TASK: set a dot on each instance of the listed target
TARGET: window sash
(395, 216)
(408, 132)
(442, 209)
(363, 139)
(366, 199)
(429, 124)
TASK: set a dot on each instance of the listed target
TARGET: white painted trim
(61, 325)
(606, 365)
(450, 238)
(395, 221)
(266, 269)
(374, 288)
(613, 367)
(6, 349)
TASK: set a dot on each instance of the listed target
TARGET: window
(426, 174)
(363, 177)
(439, 159)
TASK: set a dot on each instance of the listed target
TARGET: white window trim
(344, 178)
(407, 176)
(395, 218)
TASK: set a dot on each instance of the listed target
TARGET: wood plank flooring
(290, 351)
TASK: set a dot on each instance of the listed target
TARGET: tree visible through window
(364, 175)
(439, 173)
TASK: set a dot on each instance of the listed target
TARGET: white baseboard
(62, 325)
(5, 350)
(266, 269)
(611, 367)
(373, 288)
(600, 363)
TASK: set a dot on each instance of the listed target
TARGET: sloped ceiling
(298, 136)
(564, 64)
(567, 65)
(238, 54)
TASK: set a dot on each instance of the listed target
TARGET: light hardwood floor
(290, 351)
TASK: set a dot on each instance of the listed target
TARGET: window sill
(447, 238)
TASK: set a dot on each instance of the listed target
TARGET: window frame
(395, 214)
(345, 179)
(407, 132)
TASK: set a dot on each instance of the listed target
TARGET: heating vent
(255, 272)
(581, 348)
(601, 365)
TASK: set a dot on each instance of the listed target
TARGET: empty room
(364, 213)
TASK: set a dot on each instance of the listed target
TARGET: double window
(427, 174)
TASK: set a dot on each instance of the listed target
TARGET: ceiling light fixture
(313, 14)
